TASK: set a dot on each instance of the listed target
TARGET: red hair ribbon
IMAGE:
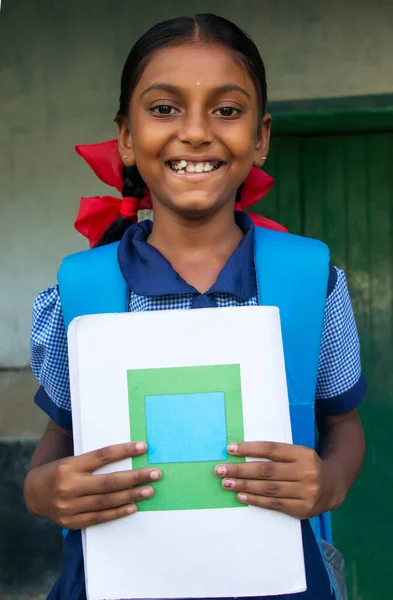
(97, 213)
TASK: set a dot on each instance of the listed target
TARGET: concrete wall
(60, 64)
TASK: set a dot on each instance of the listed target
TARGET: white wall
(60, 65)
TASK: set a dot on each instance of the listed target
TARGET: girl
(191, 125)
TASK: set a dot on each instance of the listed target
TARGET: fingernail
(242, 497)
(141, 446)
(220, 470)
(154, 475)
(229, 483)
(131, 509)
(146, 492)
(232, 448)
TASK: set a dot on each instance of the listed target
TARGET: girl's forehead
(197, 65)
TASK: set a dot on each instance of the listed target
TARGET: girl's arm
(61, 487)
(297, 480)
(342, 449)
(55, 443)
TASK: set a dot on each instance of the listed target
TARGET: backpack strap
(91, 282)
(292, 273)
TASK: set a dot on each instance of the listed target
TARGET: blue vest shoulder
(91, 282)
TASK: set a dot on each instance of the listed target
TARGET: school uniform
(154, 285)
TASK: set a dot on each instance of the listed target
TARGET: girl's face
(193, 128)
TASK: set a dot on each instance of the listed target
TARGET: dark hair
(202, 28)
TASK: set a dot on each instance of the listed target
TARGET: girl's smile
(199, 164)
(194, 145)
(198, 169)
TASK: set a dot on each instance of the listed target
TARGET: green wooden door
(339, 188)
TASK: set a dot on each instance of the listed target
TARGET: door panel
(340, 189)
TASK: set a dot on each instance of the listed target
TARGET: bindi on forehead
(186, 74)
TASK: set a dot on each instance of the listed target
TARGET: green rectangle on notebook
(186, 485)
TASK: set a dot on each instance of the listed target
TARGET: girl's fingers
(289, 506)
(89, 504)
(269, 470)
(115, 482)
(91, 461)
(90, 519)
(270, 450)
(270, 489)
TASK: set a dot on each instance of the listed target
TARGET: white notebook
(188, 382)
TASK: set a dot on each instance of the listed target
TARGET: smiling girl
(192, 124)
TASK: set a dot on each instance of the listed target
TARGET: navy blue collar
(148, 273)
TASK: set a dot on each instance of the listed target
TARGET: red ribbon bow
(97, 213)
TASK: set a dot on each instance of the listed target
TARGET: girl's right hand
(67, 492)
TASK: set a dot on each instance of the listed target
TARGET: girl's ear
(125, 145)
(263, 140)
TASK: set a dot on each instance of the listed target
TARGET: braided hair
(133, 186)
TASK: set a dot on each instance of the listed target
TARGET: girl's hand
(294, 480)
(67, 492)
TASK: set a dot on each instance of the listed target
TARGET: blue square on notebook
(186, 428)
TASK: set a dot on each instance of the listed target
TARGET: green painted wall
(340, 189)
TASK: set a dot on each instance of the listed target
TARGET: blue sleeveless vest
(291, 272)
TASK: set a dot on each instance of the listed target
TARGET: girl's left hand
(292, 479)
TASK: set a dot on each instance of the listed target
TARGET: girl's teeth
(183, 166)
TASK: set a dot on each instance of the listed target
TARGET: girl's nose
(196, 129)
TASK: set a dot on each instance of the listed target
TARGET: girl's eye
(228, 111)
(163, 110)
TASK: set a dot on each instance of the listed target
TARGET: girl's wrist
(334, 484)
(28, 492)
(31, 491)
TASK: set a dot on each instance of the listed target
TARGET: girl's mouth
(185, 167)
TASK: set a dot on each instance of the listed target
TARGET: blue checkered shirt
(339, 363)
